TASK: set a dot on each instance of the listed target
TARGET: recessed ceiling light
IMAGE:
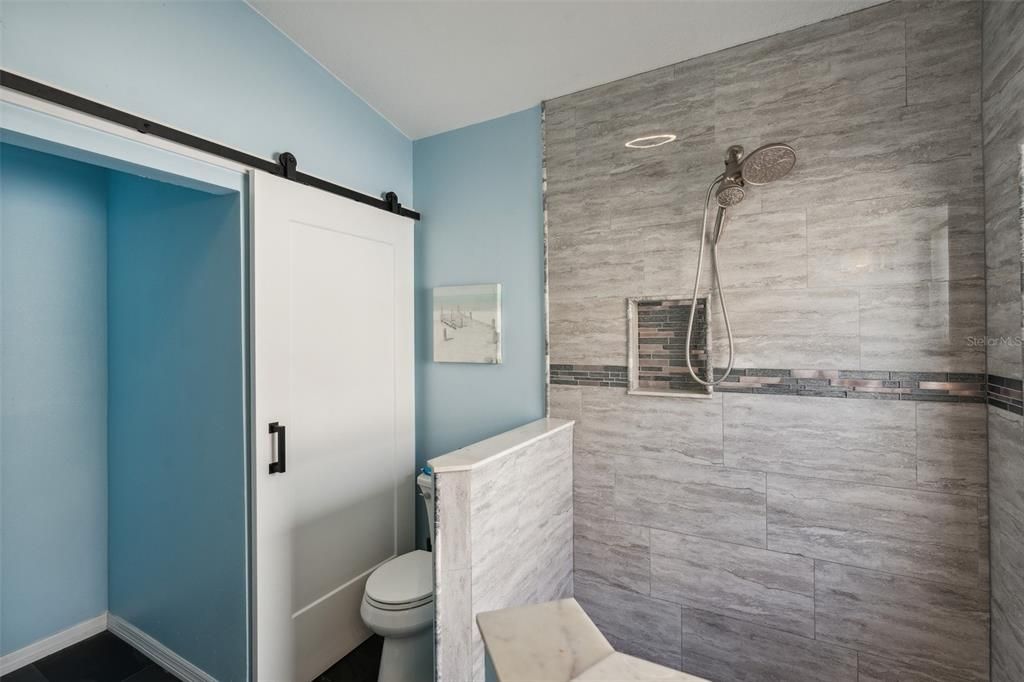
(650, 141)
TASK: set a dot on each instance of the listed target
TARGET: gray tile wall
(1003, 117)
(762, 537)
(504, 537)
(870, 255)
(780, 568)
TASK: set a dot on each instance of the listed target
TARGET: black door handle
(277, 467)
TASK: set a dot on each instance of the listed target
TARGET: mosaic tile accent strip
(613, 376)
(1006, 394)
(831, 383)
(864, 384)
(661, 345)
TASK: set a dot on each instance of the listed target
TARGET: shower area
(809, 465)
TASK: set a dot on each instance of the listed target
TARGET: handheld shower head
(768, 163)
(765, 164)
(729, 193)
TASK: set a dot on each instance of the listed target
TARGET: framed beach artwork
(467, 324)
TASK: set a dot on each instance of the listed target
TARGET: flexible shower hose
(719, 229)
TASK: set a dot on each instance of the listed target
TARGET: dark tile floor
(106, 658)
(101, 658)
(361, 664)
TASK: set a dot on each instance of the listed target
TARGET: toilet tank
(425, 482)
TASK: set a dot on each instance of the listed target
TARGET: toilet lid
(404, 579)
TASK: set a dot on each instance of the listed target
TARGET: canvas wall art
(467, 323)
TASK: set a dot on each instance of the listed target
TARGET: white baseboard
(52, 644)
(160, 654)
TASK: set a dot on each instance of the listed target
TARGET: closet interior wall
(123, 408)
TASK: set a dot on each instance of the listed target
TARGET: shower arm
(716, 235)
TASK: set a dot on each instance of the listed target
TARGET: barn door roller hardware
(285, 166)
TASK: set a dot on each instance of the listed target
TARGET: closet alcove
(123, 405)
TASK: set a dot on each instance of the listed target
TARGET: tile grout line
(814, 560)
(887, 486)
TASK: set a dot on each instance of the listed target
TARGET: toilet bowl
(398, 605)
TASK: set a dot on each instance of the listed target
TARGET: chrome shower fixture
(765, 164)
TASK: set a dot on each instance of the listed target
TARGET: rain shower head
(768, 163)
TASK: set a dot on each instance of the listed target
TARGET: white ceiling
(432, 66)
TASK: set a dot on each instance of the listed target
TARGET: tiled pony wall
(1003, 114)
(825, 515)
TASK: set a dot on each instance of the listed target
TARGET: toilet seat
(403, 583)
(398, 607)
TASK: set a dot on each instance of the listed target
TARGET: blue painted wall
(53, 395)
(479, 189)
(176, 420)
(215, 69)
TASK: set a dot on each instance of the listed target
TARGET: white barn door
(333, 370)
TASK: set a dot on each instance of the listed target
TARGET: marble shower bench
(557, 642)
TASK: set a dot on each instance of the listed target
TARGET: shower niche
(657, 346)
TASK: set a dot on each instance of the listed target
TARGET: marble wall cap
(550, 642)
(498, 446)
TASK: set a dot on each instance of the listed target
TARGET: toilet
(398, 605)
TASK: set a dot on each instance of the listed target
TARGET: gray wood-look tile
(559, 138)
(847, 440)
(644, 187)
(1003, 131)
(1007, 645)
(872, 668)
(765, 251)
(546, 469)
(884, 110)
(892, 240)
(924, 327)
(615, 553)
(805, 86)
(593, 484)
(710, 501)
(790, 328)
(941, 65)
(921, 534)
(670, 258)
(984, 545)
(767, 588)
(1003, 318)
(634, 624)
(453, 625)
(565, 402)
(1006, 500)
(597, 263)
(593, 333)
(721, 648)
(952, 453)
(674, 429)
(918, 622)
(494, 510)
(1004, 59)
(521, 529)
(451, 521)
(916, 149)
